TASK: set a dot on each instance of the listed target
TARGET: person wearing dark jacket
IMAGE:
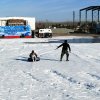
(32, 56)
(65, 50)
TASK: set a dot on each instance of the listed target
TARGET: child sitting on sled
(33, 57)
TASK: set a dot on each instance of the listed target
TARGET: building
(17, 26)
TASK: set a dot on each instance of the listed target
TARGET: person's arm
(35, 54)
(30, 55)
(59, 46)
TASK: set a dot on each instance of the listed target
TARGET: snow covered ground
(49, 78)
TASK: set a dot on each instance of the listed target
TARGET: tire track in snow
(94, 76)
(87, 85)
(32, 76)
(85, 57)
(82, 58)
(70, 79)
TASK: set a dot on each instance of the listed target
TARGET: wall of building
(30, 21)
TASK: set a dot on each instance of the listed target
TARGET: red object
(9, 37)
(28, 36)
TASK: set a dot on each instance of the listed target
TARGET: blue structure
(21, 30)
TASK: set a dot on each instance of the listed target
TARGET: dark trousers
(32, 59)
(64, 52)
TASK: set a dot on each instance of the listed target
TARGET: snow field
(48, 79)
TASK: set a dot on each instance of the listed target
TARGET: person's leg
(34, 58)
(62, 54)
(30, 59)
(67, 56)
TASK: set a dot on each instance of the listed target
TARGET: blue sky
(42, 10)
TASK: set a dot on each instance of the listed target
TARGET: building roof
(91, 8)
(25, 18)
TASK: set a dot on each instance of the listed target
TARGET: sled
(31, 60)
(37, 58)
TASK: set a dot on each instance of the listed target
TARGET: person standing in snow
(65, 50)
(32, 56)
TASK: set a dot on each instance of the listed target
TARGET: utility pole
(47, 25)
(73, 19)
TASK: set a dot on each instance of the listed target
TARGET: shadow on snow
(26, 59)
(74, 40)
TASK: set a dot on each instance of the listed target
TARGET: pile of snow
(49, 78)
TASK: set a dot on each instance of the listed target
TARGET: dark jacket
(65, 46)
